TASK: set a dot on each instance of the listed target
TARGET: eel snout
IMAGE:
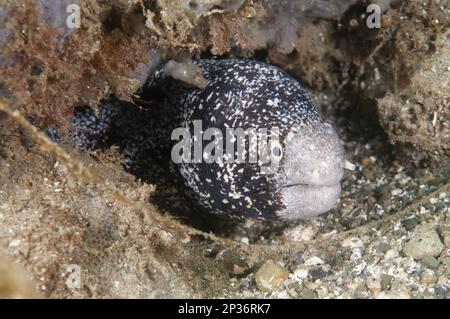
(313, 170)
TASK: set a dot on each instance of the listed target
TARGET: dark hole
(193, 5)
(111, 19)
(36, 70)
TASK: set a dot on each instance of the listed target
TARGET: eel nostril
(315, 175)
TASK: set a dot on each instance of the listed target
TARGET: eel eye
(277, 151)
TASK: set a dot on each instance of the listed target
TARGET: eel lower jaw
(309, 185)
(303, 201)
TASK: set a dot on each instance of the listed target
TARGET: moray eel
(243, 94)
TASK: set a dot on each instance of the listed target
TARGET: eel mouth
(309, 185)
(305, 200)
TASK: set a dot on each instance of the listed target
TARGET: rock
(358, 269)
(245, 240)
(445, 262)
(403, 118)
(313, 261)
(317, 273)
(352, 242)
(357, 254)
(322, 293)
(236, 265)
(428, 277)
(301, 233)
(443, 280)
(385, 281)
(374, 284)
(296, 287)
(391, 253)
(299, 258)
(361, 292)
(402, 294)
(446, 236)
(331, 249)
(430, 262)
(382, 247)
(238, 270)
(441, 292)
(270, 276)
(15, 282)
(300, 274)
(410, 223)
(425, 242)
(308, 294)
